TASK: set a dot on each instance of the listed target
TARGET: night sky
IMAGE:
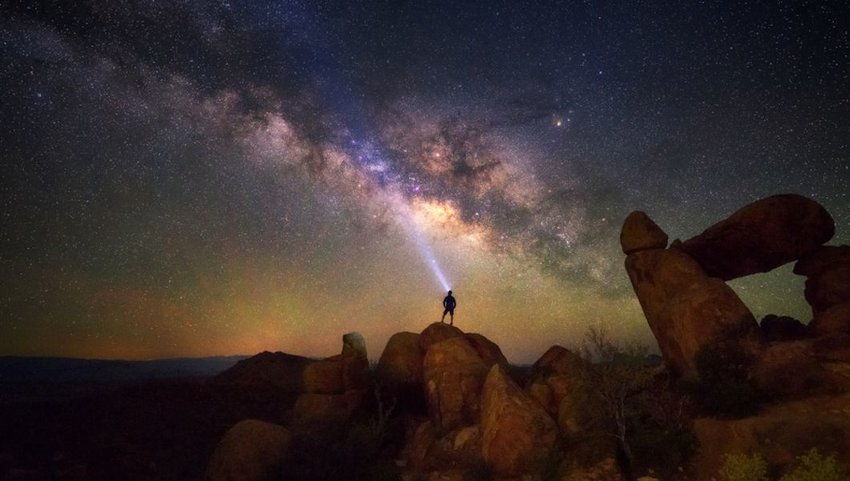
(190, 178)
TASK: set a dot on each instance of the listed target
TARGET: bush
(815, 467)
(740, 467)
(724, 387)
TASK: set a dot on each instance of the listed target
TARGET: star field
(209, 177)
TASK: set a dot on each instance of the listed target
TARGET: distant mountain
(25, 370)
(277, 369)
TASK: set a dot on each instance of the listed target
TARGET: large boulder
(453, 374)
(686, 309)
(489, 351)
(324, 376)
(437, 332)
(353, 344)
(314, 408)
(761, 236)
(251, 450)
(401, 362)
(554, 384)
(517, 435)
(640, 233)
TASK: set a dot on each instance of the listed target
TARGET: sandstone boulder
(324, 376)
(251, 450)
(553, 383)
(761, 236)
(453, 374)
(401, 361)
(313, 408)
(353, 344)
(687, 310)
(517, 434)
(437, 332)
(488, 350)
(640, 233)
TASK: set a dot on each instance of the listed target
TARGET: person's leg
(443, 319)
(452, 317)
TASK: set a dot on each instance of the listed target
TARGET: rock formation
(453, 374)
(401, 362)
(336, 387)
(517, 434)
(553, 383)
(641, 233)
(761, 236)
(251, 450)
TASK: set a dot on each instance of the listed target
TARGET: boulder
(761, 236)
(458, 450)
(792, 370)
(453, 374)
(251, 450)
(605, 470)
(517, 435)
(401, 361)
(313, 408)
(324, 376)
(640, 233)
(553, 383)
(420, 438)
(355, 372)
(353, 344)
(827, 272)
(437, 332)
(687, 310)
(488, 350)
(782, 328)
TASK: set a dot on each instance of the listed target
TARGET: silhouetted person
(449, 304)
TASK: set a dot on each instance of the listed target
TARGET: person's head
(450, 292)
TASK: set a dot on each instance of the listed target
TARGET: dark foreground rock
(251, 450)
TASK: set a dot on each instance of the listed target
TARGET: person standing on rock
(449, 304)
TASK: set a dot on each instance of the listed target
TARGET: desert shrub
(724, 387)
(741, 467)
(816, 467)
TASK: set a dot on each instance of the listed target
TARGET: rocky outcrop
(517, 434)
(453, 374)
(335, 388)
(489, 351)
(640, 233)
(251, 450)
(761, 236)
(827, 272)
(686, 309)
(554, 384)
(435, 333)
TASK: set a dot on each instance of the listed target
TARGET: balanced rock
(686, 309)
(640, 233)
(453, 373)
(761, 236)
(517, 435)
(251, 450)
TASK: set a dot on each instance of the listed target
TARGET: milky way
(197, 178)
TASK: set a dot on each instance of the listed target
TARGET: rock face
(553, 384)
(251, 450)
(827, 272)
(516, 433)
(453, 374)
(685, 308)
(640, 233)
(335, 387)
(488, 350)
(761, 236)
(437, 332)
